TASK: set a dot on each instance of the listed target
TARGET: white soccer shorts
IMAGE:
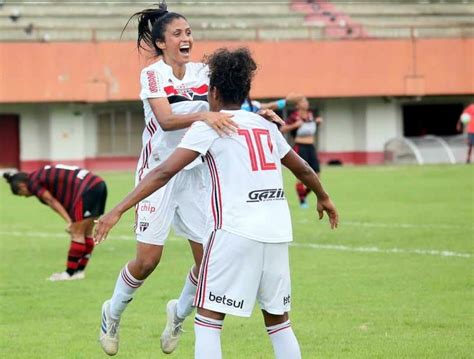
(183, 203)
(236, 271)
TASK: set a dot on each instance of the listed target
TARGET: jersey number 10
(256, 143)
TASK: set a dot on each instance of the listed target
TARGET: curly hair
(231, 73)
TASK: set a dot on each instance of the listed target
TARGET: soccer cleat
(78, 275)
(304, 204)
(173, 330)
(109, 331)
(55, 277)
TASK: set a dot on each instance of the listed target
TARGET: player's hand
(221, 122)
(271, 116)
(104, 224)
(326, 205)
(68, 227)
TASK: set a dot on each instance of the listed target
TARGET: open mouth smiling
(185, 49)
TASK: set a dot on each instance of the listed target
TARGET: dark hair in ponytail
(231, 73)
(152, 25)
(14, 179)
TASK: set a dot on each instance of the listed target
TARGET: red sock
(301, 190)
(76, 251)
(87, 253)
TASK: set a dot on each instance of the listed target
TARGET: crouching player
(78, 196)
(246, 255)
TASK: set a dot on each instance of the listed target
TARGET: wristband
(281, 104)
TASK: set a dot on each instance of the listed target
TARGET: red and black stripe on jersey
(65, 183)
(189, 94)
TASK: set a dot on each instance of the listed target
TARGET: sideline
(335, 247)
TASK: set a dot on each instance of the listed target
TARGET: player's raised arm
(153, 181)
(305, 174)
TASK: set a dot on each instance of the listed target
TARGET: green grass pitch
(394, 281)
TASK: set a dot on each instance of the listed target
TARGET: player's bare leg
(207, 328)
(129, 280)
(147, 258)
(178, 309)
(281, 334)
(77, 250)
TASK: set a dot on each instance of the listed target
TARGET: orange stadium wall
(108, 71)
(57, 89)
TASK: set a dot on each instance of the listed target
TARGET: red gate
(9, 141)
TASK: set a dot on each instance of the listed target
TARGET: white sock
(208, 338)
(186, 299)
(125, 288)
(284, 341)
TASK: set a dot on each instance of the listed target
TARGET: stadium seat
(60, 20)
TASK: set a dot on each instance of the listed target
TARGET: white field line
(52, 235)
(394, 225)
(338, 247)
(335, 247)
(407, 225)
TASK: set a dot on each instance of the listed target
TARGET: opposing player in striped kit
(246, 255)
(78, 196)
(174, 94)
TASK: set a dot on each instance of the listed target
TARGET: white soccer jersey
(247, 185)
(185, 96)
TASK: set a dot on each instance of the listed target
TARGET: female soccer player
(246, 255)
(78, 196)
(174, 95)
(303, 124)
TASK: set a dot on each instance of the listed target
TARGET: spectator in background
(467, 119)
(255, 106)
(302, 124)
(78, 196)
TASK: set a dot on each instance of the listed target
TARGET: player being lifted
(78, 196)
(246, 255)
(174, 95)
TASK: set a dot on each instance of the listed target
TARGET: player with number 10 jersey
(239, 198)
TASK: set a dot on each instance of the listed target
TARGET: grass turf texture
(351, 303)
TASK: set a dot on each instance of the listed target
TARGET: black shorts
(92, 203)
(470, 139)
(308, 153)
